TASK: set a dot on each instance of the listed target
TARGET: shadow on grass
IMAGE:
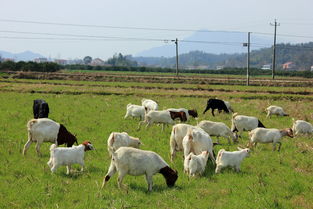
(155, 188)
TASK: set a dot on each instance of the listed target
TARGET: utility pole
(176, 43)
(274, 49)
(248, 58)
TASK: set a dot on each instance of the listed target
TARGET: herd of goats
(194, 141)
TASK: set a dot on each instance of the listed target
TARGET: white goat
(242, 123)
(179, 131)
(217, 129)
(275, 110)
(46, 130)
(197, 141)
(302, 127)
(268, 135)
(195, 164)
(154, 116)
(149, 104)
(68, 156)
(135, 111)
(117, 140)
(135, 162)
(232, 159)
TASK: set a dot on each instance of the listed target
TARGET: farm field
(94, 109)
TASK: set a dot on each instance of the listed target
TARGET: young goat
(135, 111)
(135, 162)
(68, 156)
(302, 127)
(275, 110)
(197, 141)
(268, 135)
(232, 159)
(46, 130)
(117, 140)
(195, 164)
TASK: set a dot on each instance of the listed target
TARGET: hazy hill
(221, 42)
(300, 54)
(23, 56)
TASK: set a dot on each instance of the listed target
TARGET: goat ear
(239, 148)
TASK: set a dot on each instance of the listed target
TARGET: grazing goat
(181, 115)
(40, 109)
(189, 113)
(268, 135)
(135, 111)
(68, 156)
(218, 129)
(135, 162)
(195, 164)
(197, 141)
(149, 104)
(302, 127)
(242, 123)
(232, 159)
(179, 131)
(117, 140)
(46, 130)
(216, 104)
(275, 110)
(154, 116)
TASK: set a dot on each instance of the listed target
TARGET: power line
(114, 27)
(145, 28)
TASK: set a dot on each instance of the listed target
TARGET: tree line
(29, 66)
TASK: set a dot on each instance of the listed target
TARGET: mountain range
(23, 56)
(213, 42)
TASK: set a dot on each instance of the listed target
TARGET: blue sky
(295, 18)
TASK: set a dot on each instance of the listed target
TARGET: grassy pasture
(268, 179)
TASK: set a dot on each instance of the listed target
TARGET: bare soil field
(157, 78)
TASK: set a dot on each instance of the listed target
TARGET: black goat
(40, 109)
(216, 104)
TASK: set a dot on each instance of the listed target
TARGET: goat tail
(234, 115)
(111, 139)
(129, 105)
(31, 123)
(219, 155)
(53, 146)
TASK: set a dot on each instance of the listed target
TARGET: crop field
(94, 109)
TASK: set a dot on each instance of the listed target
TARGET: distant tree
(7, 65)
(120, 60)
(87, 60)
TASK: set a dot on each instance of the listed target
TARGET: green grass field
(268, 179)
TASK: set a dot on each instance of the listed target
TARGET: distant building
(97, 62)
(60, 61)
(312, 68)
(75, 62)
(266, 67)
(219, 67)
(289, 66)
(40, 60)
